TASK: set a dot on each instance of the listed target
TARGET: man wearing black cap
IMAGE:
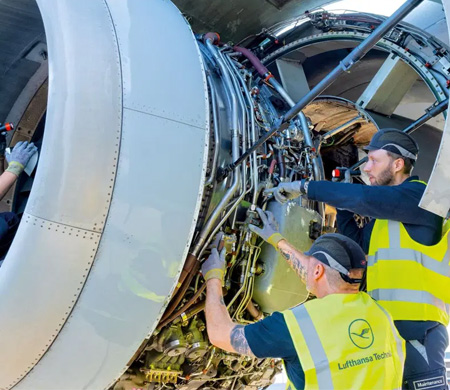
(342, 340)
(406, 254)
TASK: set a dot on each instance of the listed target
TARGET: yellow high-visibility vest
(346, 341)
(410, 280)
(446, 227)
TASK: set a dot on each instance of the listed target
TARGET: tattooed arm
(296, 259)
(222, 331)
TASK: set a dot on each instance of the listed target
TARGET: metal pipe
(254, 312)
(212, 175)
(222, 221)
(281, 164)
(262, 70)
(235, 151)
(430, 112)
(244, 175)
(337, 130)
(317, 164)
(245, 130)
(356, 55)
(182, 310)
(253, 133)
(304, 124)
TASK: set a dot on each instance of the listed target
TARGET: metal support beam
(387, 89)
(357, 53)
(430, 113)
(437, 194)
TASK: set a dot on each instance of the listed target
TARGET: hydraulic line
(268, 77)
(344, 66)
(253, 133)
(317, 162)
(182, 310)
(244, 175)
(212, 175)
(234, 149)
(281, 164)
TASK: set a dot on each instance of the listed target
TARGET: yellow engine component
(162, 376)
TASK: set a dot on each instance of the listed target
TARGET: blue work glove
(19, 157)
(215, 265)
(289, 190)
(269, 231)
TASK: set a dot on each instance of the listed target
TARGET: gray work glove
(215, 265)
(269, 231)
(19, 157)
(289, 190)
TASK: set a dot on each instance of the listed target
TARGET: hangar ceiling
(237, 19)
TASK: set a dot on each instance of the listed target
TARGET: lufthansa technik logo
(360, 333)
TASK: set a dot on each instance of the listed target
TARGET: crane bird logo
(361, 334)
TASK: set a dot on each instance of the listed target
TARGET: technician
(18, 160)
(408, 270)
(342, 340)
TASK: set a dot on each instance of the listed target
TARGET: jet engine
(153, 140)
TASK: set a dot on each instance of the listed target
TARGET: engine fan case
(103, 237)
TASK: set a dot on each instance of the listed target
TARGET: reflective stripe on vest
(399, 342)
(410, 280)
(346, 341)
(321, 364)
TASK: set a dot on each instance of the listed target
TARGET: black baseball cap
(340, 253)
(394, 141)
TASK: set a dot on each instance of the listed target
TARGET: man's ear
(319, 271)
(399, 164)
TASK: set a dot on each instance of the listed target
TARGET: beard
(386, 177)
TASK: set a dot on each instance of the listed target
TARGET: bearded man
(408, 269)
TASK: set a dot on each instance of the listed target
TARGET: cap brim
(368, 148)
(329, 260)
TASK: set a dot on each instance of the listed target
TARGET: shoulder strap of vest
(394, 234)
(419, 181)
(379, 236)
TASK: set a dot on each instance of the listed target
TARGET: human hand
(269, 231)
(214, 267)
(19, 157)
(288, 190)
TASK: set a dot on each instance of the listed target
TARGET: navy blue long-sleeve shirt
(270, 338)
(396, 203)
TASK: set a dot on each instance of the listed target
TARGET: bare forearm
(222, 331)
(293, 257)
(7, 179)
(217, 318)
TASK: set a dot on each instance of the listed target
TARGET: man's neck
(399, 179)
(323, 292)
